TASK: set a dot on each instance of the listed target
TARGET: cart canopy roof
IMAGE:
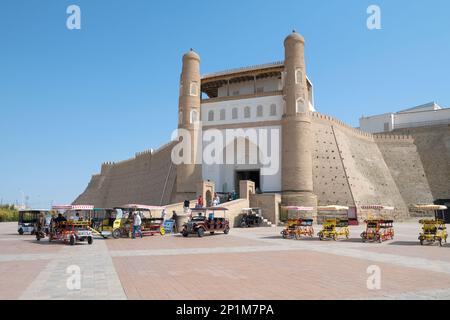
(82, 207)
(332, 208)
(299, 208)
(62, 207)
(73, 207)
(377, 207)
(142, 207)
(33, 210)
(429, 207)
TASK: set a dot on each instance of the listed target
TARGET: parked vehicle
(102, 221)
(251, 217)
(334, 228)
(74, 228)
(378, 230)
(335, 224)
(433, 230)
(378, 227)
(200, 223)
(152, 222)
(29, 220)
(298, 225)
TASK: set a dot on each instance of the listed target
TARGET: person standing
(163, 214)
(200, 203)
(216, 200)
(137, 221)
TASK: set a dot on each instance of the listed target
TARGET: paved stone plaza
(246, 264)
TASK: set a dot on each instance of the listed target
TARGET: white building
(423, 115)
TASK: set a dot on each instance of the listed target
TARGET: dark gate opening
(251, 175)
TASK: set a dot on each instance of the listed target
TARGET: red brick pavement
(29, 245)
(412, 249)
(178, 241)
(17, 276)
(265, 275)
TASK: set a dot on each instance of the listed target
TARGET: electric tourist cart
(29, 220)
(152, 222)
(204, 220)
(298, 227)
(251, 217)
(433, 230)
(72, 224)
(377, 228)
(102, 221)
(336, 225)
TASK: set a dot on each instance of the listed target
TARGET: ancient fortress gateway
(322, 161)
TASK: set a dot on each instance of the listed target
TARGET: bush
(8, 214)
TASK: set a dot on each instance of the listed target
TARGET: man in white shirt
(137, 221)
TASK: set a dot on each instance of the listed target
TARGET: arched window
(180, 117)
(300, 106)
(273, 110)
(222, 114)
(247, 112)
(298, 76)
(194, 89)
(234, 113)
(211, 115)
(259, 111)
(193, 116)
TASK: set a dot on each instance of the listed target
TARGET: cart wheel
(227, 230)
(72, 240)
(116, 233)
(185, 233)
(200, 232)
(90, 240)
(243, 224)
(21, 231)
(162, 231)
(284, 235)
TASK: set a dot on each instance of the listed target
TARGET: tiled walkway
(246, 264)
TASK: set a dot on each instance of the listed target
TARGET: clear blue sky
(70, 100)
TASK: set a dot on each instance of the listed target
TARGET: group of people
(215, 201)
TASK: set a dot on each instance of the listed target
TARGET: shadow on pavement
(405, 243)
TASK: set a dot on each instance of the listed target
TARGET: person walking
(137, 221)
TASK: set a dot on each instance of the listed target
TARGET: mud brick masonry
(323, 160)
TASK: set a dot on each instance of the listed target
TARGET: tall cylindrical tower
(189, 174)
(297, 179)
